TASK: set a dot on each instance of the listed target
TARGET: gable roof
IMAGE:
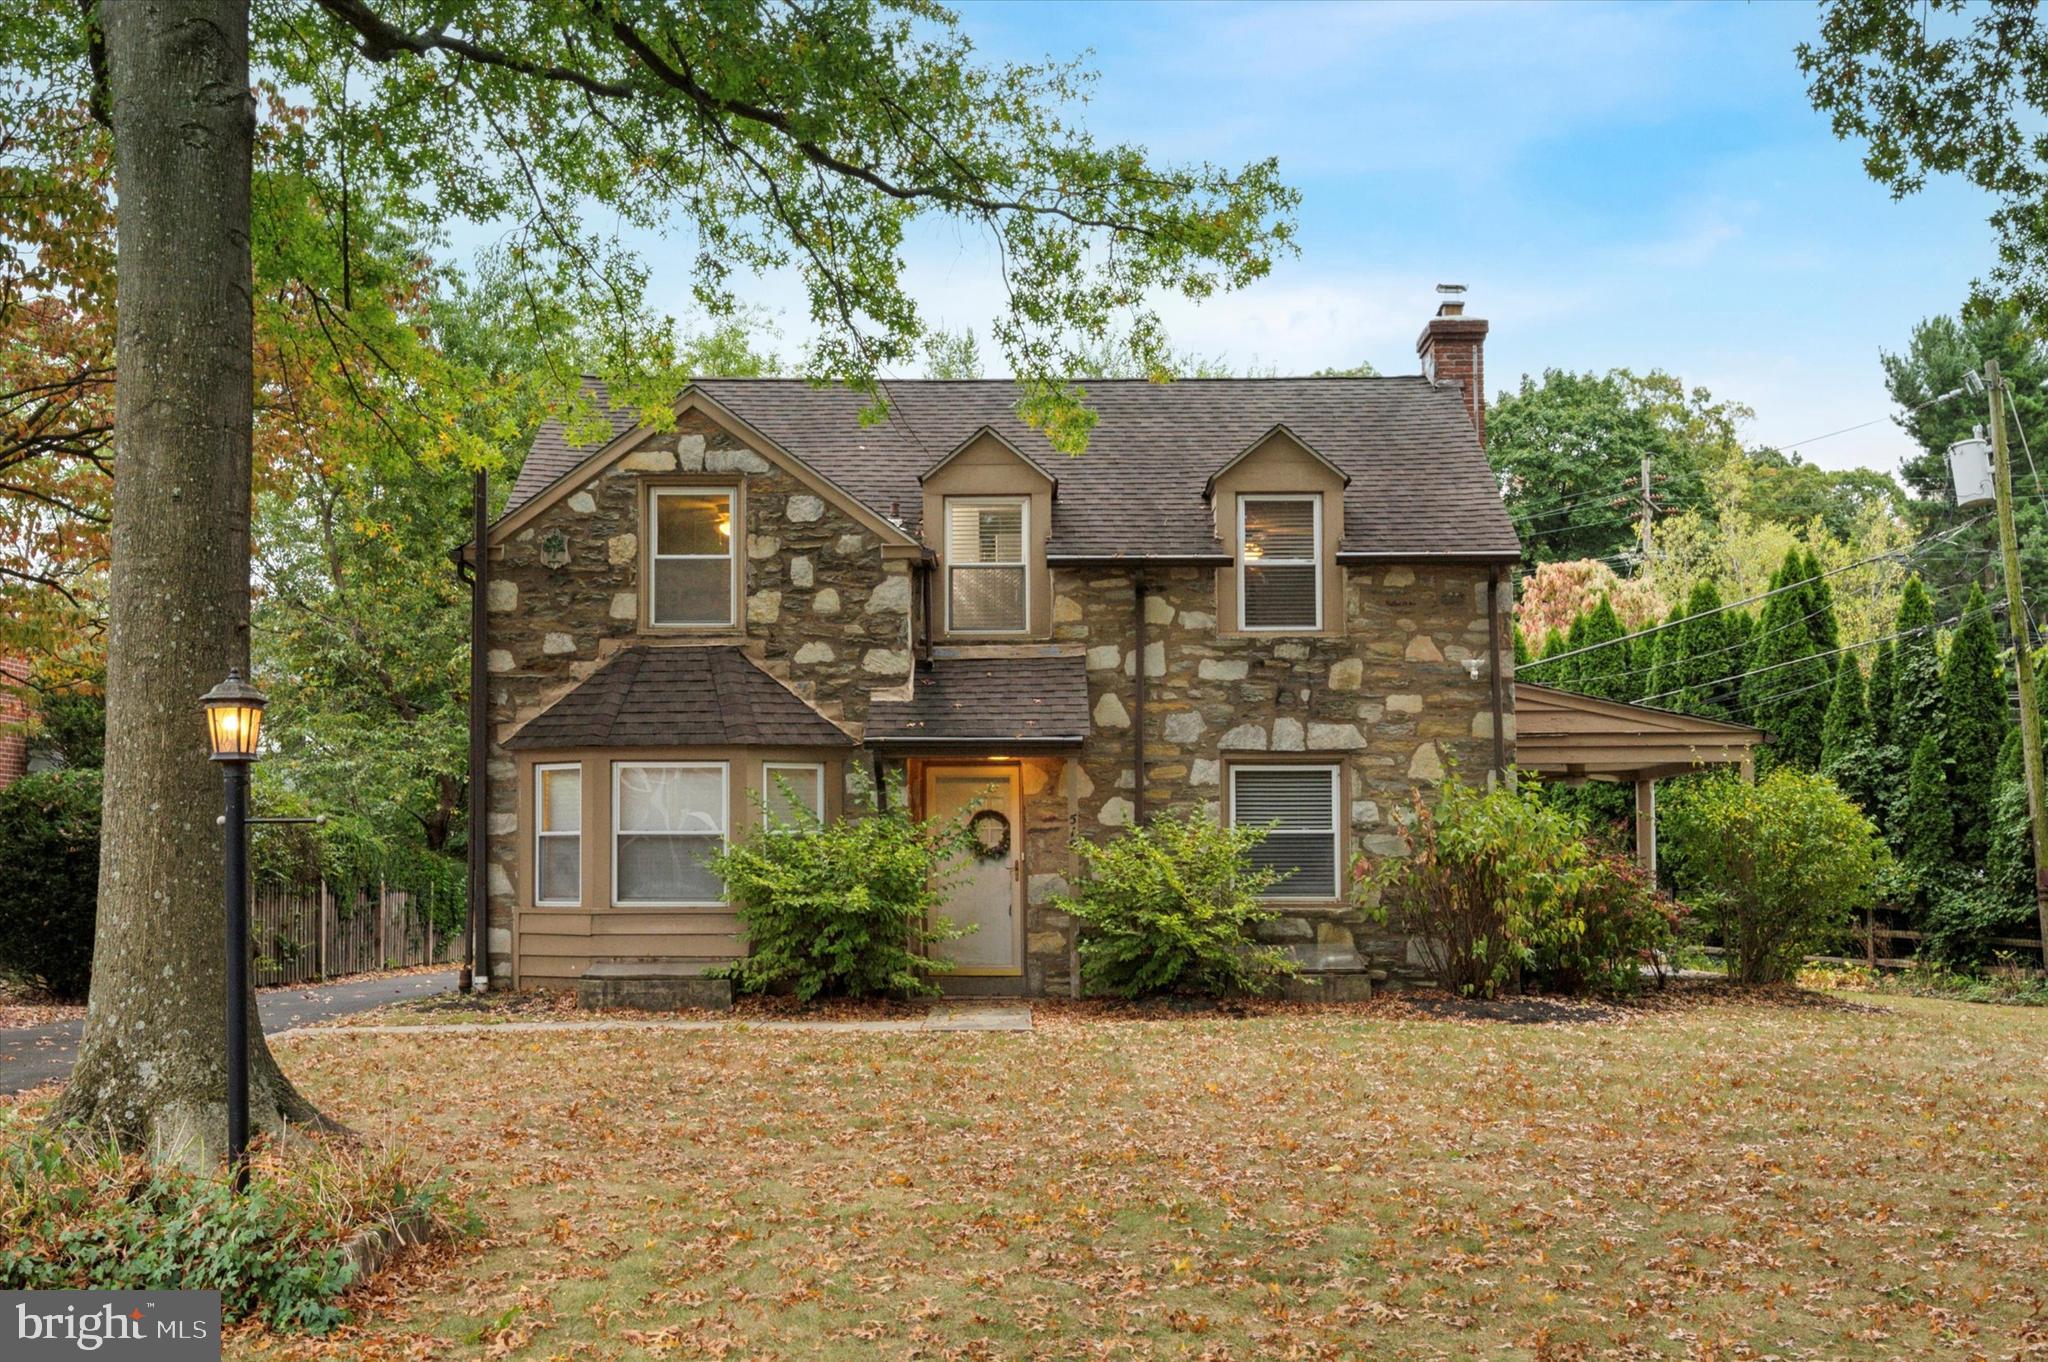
(1560, 731)
(1419, 485)
(679, 697)
(1304, 446)
(992, 433)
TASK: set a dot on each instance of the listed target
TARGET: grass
(1728, 1181)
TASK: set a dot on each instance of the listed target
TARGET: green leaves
(1501, 884)
(1173, 907)
(843, 909)
(1775, 867)
(810, 139)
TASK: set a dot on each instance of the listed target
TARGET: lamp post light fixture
(234, 724)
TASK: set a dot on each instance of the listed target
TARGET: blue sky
(1639, 185)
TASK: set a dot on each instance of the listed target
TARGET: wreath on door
(988, 834)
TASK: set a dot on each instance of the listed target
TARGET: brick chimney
(1452, 348)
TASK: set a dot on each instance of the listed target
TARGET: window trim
(724, 769)
(731, 557)
(541, 831)
(1335, 771)
(1315, 562)
(770, 769)
(1022, 502)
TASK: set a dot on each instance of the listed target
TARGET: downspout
(1494, 581)
(1138, 701)
(476, 969)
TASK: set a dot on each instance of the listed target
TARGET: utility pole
(2023, 648)
(1649, 509)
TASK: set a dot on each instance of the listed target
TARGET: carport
(1565, 736)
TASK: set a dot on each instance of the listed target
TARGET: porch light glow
(1254, 550)
(234, 718)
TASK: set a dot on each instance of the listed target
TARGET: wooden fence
(303, 933)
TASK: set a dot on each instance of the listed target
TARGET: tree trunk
(152, 1069)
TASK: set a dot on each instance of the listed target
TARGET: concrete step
(654, 985)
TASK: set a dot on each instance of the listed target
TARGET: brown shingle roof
(1420, 486)
(1035, 701)
(680, 697)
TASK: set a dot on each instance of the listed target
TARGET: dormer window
(987, 578)
(691, 561)
(1280, 552)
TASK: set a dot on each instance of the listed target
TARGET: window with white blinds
(1279, 562)
(668, 820)
(1297, 805)
(690, 567)
(793, 795)
(558, 834)
(986, 571)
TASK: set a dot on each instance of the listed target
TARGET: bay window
(558, 835)
(1298, 806)
(793, 794)
(668, 820)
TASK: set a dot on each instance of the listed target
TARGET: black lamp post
(234, 721)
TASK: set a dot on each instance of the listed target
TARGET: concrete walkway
(33, 1055)
(946, 1016)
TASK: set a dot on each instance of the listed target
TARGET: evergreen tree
(1785, 692)
(1883, 672)
(1663, 648)
(1709, 654)
(1847, 755)
(1926, 830)
(1820, 608)
(1522, 655)
(1548, 671)
(1742, 638)
(1847, 725)
(1916, 682)
(1974, 721)
(1603, 672)
(2010, 860)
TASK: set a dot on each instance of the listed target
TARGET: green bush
(1503, 886)
(1777, 869)
(1610, 922)
(842, 909)
(75, 1217)
(50, 849)
(1171, 908)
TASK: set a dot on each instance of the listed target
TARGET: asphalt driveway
(34, 1055)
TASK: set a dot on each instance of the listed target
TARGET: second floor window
(1280, 549)
(691, 561)
(986, 572)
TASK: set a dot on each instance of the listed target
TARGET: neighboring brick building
(13, 714)
(1279, 600)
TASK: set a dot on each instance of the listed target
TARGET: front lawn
(1727, 1181)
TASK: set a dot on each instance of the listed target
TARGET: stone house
(1282, 601)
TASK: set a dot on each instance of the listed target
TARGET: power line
(1910, 552)
(1810, 657)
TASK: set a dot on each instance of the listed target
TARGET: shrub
(74, 1216)
(842, 909)
(1776, 868)
(1610, 923)
(1503, 885)
(1171, 908)
(50, 847)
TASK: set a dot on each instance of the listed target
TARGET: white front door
(981, 890)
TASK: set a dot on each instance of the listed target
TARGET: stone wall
(823, 611)
(1391, 700)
